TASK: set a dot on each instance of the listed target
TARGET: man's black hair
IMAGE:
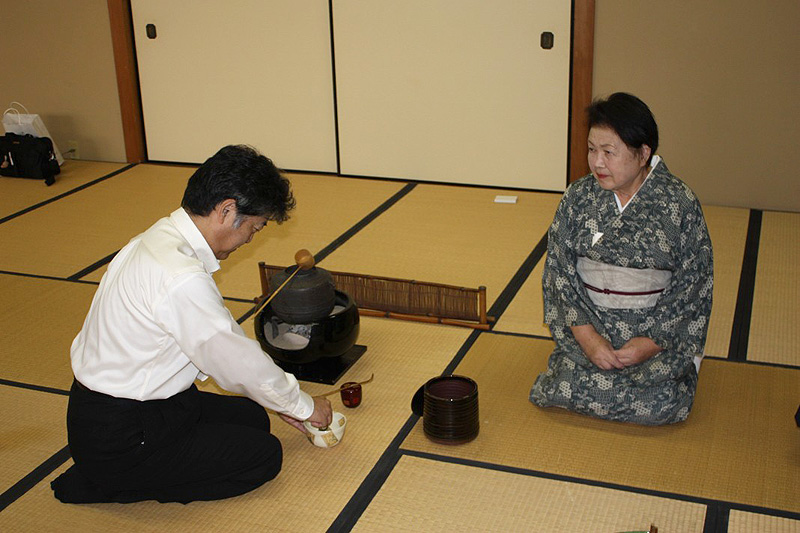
(243, 174)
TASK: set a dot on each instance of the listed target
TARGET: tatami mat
(33, 429)
(774, 330)
(315, 484)
(525, 313)
(452, 235)
(728, 229)
(739, 443)
(18, 194)
(742, 522)
(66, 236)
(425, 495)
(39, 318)
(326, 208)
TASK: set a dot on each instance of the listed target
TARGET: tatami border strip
(37, 474)
(30, 386)
(43, 276)
(717, 516)
(740, 331)
(372, 484)
(91, 268)
(754, 363)
(520, 277)
(361, 224)
(520, 335)
(62, 195)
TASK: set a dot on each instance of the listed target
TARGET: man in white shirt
(138, 427)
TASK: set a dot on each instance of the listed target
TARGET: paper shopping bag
(28, 124)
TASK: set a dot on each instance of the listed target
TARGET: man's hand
(293, 422)
(321, 417)
(323, 413)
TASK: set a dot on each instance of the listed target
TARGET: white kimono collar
(655, 161)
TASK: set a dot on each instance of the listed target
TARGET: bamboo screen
(400, 296)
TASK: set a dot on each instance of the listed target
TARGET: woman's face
(616, 166)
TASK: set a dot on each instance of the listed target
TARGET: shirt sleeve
(194, 314)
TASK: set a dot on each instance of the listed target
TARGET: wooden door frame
(581, 63)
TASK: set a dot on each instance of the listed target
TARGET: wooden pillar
(581, 96)
(119, 12)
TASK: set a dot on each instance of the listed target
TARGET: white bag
(27, 124)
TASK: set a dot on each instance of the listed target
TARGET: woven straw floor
(66, 236)
(742, 522)
(728, 229)
(737, 445)
(528, 470)
(427, 495)
(452, 235)
(526, 312)
(776, 300)
(33, 430)
(19, 194)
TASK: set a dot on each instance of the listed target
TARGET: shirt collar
(187, 228)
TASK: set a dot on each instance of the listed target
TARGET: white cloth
(621, 279)
(158, 322)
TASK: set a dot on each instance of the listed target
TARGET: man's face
(237, 231)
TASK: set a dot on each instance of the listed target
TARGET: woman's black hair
(243, 174)
(629, 117)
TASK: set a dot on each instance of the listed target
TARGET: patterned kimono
(661, 231)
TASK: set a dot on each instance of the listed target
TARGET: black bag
(26, 156)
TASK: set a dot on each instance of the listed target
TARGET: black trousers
(192, 446)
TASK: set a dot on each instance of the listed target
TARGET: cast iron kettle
(308, 297)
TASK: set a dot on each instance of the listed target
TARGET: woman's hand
(637, 350)
(596, 348)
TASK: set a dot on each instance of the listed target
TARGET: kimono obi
(619, 287)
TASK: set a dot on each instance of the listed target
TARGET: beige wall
(723, 80)
(58, 61)
(721, 76)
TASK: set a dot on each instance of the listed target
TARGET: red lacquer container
(351, 394)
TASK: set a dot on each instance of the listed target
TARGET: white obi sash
(619, 287)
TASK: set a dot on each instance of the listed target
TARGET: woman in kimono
(628, 279)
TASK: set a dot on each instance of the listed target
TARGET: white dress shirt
(158, 322)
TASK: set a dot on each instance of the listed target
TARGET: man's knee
(270, 465)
